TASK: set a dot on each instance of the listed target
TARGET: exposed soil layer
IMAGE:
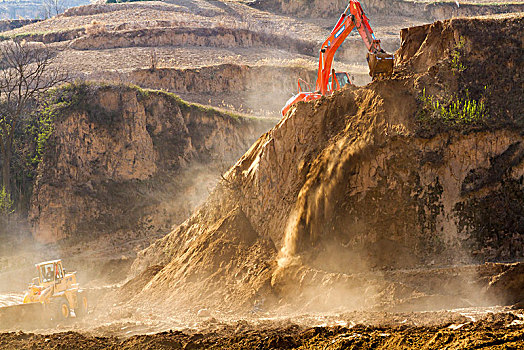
(10, 24)
(215, 37)
(138, 283)
(131, 162)
(248, 89)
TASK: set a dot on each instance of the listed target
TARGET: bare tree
(153, 60)
(25, 73)
(53, 8)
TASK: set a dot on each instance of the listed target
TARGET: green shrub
(41, 129)
(6, 203)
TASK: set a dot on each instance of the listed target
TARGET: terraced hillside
(118, 42)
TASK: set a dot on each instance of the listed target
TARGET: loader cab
(50, 271)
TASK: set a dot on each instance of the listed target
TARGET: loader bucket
(380, 64)
(21, 315)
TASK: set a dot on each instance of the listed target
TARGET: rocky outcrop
(369, 180)
(116, 153)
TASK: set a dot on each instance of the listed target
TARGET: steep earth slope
(130, 162)
(375, 197)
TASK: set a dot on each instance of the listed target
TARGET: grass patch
(456, 112)
(188, 106)
(456, 64)
(32, 35)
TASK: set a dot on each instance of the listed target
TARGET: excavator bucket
(380, 64)
(21, 315)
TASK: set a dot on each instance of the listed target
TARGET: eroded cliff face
(118, 153)
(369, 180)
(9, 24)
(214, 37)
(257, 90)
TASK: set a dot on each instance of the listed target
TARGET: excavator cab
(341, 80)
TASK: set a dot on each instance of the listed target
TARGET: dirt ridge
(354, 183)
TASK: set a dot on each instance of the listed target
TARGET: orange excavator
(380, 63)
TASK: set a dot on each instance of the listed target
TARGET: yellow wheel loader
(51, 297)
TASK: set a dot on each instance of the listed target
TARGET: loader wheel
(82, 307)
(62, 310)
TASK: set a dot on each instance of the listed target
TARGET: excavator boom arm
(353, 16)
(364, 29)
(380, 63)
(328, 49)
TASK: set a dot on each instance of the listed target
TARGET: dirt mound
(509, 284)
(135, 285)
(377, 178)
(225, 256)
